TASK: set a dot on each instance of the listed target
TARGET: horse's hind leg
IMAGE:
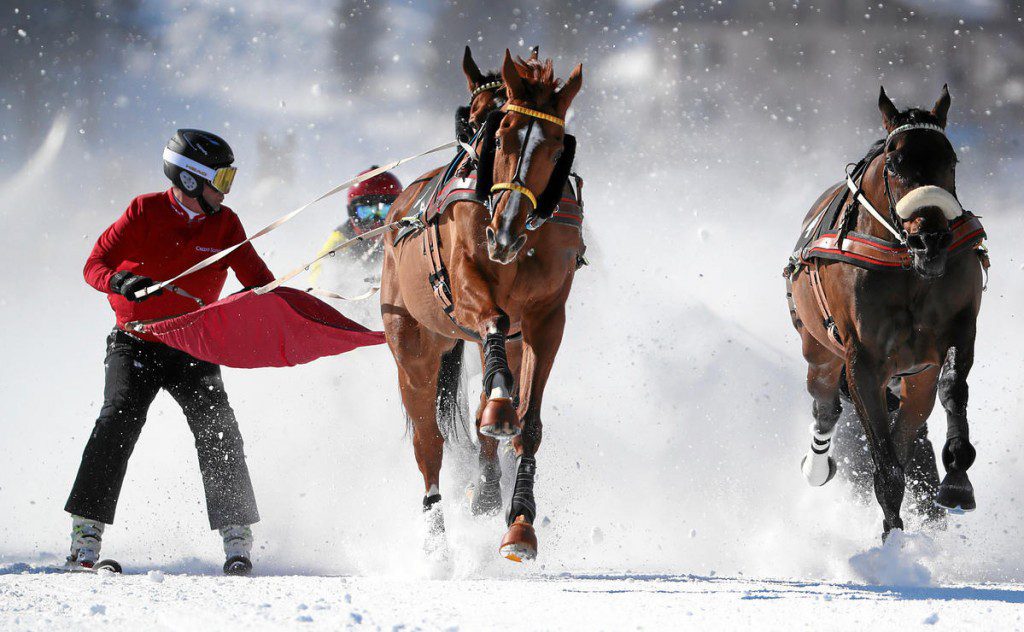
(418, 356)
(824, 369)
(956, 492)
(917, 399)
(486, 493)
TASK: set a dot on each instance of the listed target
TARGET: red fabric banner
(283, 327)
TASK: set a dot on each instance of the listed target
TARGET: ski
(112, 566)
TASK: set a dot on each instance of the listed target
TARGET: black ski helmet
(206, 149)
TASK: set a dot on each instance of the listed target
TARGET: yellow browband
(535, 114)
(512, 186)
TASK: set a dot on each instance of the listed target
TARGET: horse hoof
(500, 419)
(816, 470)
(520, 541)
(956, 494)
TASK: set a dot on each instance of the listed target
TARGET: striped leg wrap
(820, 443)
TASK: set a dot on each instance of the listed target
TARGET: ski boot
(237, 549)
(86, 538)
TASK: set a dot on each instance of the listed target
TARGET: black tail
(452, 409)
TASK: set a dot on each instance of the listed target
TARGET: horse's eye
(497, 142)
(557, 156)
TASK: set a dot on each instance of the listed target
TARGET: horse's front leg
(542, 335)
(477, 311)
(867, 384)
(956, 492)
(486, 491)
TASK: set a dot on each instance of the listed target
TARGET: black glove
(127, 284)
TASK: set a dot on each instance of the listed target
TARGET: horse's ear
(510, 75)
(473, 74)
(888, 110)
(567, 93)
(942, 106)
(535, 53)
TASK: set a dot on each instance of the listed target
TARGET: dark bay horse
(483, 270)
(892, 293)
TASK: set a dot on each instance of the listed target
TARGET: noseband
(894, 218)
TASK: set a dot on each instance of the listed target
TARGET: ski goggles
(378, 210)
(220, 179)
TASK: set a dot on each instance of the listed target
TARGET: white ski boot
(237, 549)
(86, 538)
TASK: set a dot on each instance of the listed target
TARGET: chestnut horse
(500, 280)
(909, 314)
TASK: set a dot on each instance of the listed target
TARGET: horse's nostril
(519, 243)
(916, 242)
(490, 235)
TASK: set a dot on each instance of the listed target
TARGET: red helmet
(381, 184)
(370, 200)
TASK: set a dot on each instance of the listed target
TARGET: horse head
(486, 90)
(920, 179)
(521, 148)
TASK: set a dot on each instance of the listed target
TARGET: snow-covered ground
(159, 600)
(669, 489)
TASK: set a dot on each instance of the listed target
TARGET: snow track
(155, 601)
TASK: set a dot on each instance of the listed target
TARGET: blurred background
(676, 415)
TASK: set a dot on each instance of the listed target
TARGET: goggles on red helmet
(371, 211)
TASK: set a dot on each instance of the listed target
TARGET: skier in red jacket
(160, 235)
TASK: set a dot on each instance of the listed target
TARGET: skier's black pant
(136, 370)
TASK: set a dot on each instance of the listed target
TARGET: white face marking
(536, 138)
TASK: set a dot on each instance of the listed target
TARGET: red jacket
(157, 238)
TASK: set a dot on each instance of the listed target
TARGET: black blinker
(556, 183)
(485, 170)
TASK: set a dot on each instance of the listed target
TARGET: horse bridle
(516, 184)
(894, 220)
(493, 85)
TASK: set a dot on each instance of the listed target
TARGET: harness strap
(438, 277)
(368, 235)
(818, 291)
(871, 252)
(857, 192)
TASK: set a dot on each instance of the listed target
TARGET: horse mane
(490, 77)
(539, 78)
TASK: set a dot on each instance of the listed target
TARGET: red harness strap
(872, 253)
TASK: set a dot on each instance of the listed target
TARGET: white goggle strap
(190, 165)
